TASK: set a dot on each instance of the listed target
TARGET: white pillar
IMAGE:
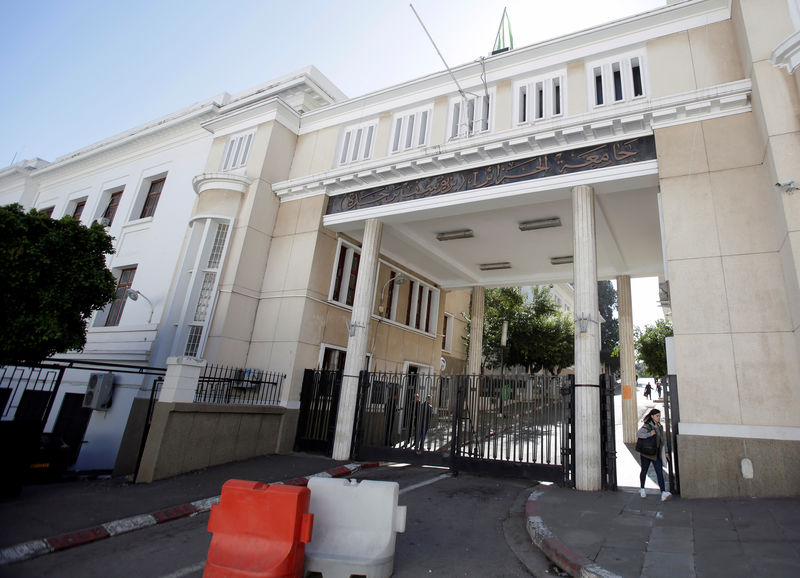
(627, 360)
(357, 343)
(587, 349)
(476, 331)
(180, 382)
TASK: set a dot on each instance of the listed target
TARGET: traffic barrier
(355, 527)
(260, 531)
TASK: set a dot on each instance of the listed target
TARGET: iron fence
(27, 392)
(234, 385)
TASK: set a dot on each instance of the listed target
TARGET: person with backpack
(651, 445)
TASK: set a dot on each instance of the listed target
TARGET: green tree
(609, 330)
(54, 277)
(651, 347)
(539, 335)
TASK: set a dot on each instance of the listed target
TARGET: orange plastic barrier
(259, 531)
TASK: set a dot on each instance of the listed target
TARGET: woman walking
(652, 449)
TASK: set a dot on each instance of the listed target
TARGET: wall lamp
(561, 260)
(494, 266)
(134, 295)
(540, 224)
(583, 322)
(451, 235)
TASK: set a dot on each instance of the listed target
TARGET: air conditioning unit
(99, 391)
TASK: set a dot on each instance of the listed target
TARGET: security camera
(786, 183)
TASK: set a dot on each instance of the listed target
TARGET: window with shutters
(343, 284)
(471, 114)
(618, 79)
(357, 143)
(124, 282)
(539, 98)
(410, 130)
(237, 151)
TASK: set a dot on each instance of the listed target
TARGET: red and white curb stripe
(35, 548)
(556, 550)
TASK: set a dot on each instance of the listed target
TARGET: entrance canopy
(476, 237)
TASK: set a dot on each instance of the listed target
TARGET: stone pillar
(627, 360)
(587, 349)
(180, 382)
(476, 331)
(357, 343)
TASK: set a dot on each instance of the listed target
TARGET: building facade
(294, 228)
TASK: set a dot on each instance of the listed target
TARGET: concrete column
(359, 333)
(180, 382)
(476, 331)
(587, 342)
(627, 360)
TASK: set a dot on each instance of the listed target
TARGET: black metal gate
(671, 420)
(319, 407)
(504, 425)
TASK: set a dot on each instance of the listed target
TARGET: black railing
(235, 385)
(319, 407)
(608, 438)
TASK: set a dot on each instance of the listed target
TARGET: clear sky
(76, 72)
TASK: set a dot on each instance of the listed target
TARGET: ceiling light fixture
(540, 224)
(450, 235)
(494, 266)
(561, 260)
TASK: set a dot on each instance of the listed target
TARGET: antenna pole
(453, 76)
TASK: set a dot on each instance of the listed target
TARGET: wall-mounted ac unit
(99, 391)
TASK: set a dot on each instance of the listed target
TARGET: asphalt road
(456, 526)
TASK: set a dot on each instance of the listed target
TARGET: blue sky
(77, 72)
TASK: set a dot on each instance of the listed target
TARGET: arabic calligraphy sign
(549, 165)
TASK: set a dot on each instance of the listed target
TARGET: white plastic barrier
(354, 527)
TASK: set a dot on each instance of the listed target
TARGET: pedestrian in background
(652, 450)
(648, 390)
(658, 388)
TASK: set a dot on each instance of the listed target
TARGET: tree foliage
(651, 347)
(609, 330)
(54, 277)
(539, 335)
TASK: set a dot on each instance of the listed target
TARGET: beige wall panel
(776, 97)
(790, 261)
(681, 150)
(258, 150)
(260, 208)
(669, 65)
(714, 54)
(439, 122)
(303, 154)
(259, 354)
(280, 154)
(381, 147)
(306, 356)
(310, 217)
(707, 385)
(502, 111)
(226, 351)
(286, 223)
(336, 326)
(766, 22)
(733, 141)
(378, 341)
(767, 367)
(302, 257)
(699, 301)
(277, 264)
(756, 293)
(396, 345)
(785, 158)
(317, 156)
(251, 259)
(283, 359)
(266, 319)
(214, 161)
(290, 318)
(315, 315)
(322, 269)
(240, 313)
(745, 222)
(689, 221)
(577, 92)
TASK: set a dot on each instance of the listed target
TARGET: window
(471, 115)
(357, 143)
(539, 98)
(343, 287)
(151, 200)
(77, 211)
(124, 283)
(237, 151)
(616, 80)
(447, 333)
(410, 130)
(47, 211)
(111, 208)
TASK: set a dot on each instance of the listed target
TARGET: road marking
(186, 571)
(425, 483)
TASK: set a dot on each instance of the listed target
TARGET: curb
(556, 550)
(40, 547)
